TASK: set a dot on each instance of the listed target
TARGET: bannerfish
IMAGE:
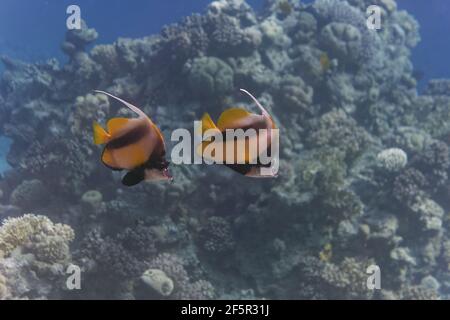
(238, 118)
(136, 145)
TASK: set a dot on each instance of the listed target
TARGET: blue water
(33, 29)
(432, 54)
(4, 148)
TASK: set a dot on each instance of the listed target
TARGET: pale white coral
(392, 159)
(430, 213)
(158, 281)
(25, 278)
(93, 199)
(88, 108)
(35, 232)
(272, 31)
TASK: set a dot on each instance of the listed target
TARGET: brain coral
(184, 289)
(209, 76)
(392, 159)
(341, 12)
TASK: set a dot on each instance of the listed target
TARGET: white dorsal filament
(129, 105)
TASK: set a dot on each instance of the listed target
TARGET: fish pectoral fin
(100, 134)
(134, 177)
(116, 124)
(231, 118)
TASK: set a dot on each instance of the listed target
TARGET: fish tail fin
(207, 123)
(100, 134)
(263, 110)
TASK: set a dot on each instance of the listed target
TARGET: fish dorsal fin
(129, 105)
(231, 118)
(263, 110)
(116, 124)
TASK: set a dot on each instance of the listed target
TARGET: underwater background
(364, 118)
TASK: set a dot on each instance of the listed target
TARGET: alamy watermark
(73, 281)
(374, 280)
(233, 146)
(373, 21)
(73, 22)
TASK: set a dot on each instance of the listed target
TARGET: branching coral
(227, 37)
(78, 39)
(185, 40)
(111, 256)
(140, 240)
(408, 185)
(336, 129)
(346, 279)
(217, 236)
(434, 162)
(295, 95)
(37, 234)
(183, 287)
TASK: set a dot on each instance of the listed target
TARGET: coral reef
(209, 76)
(184, 288)
(158, 281)
(36, 234)
(364, 168)
(393, 159)
(34, 253)
(216, 236)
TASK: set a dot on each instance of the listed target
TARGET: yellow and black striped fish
(136, 145)
(242, 161)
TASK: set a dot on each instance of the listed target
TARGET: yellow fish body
(244, 157)
(134, 144)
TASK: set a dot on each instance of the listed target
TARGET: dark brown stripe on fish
(129, 138)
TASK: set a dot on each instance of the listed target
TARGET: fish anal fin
(231, 118)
